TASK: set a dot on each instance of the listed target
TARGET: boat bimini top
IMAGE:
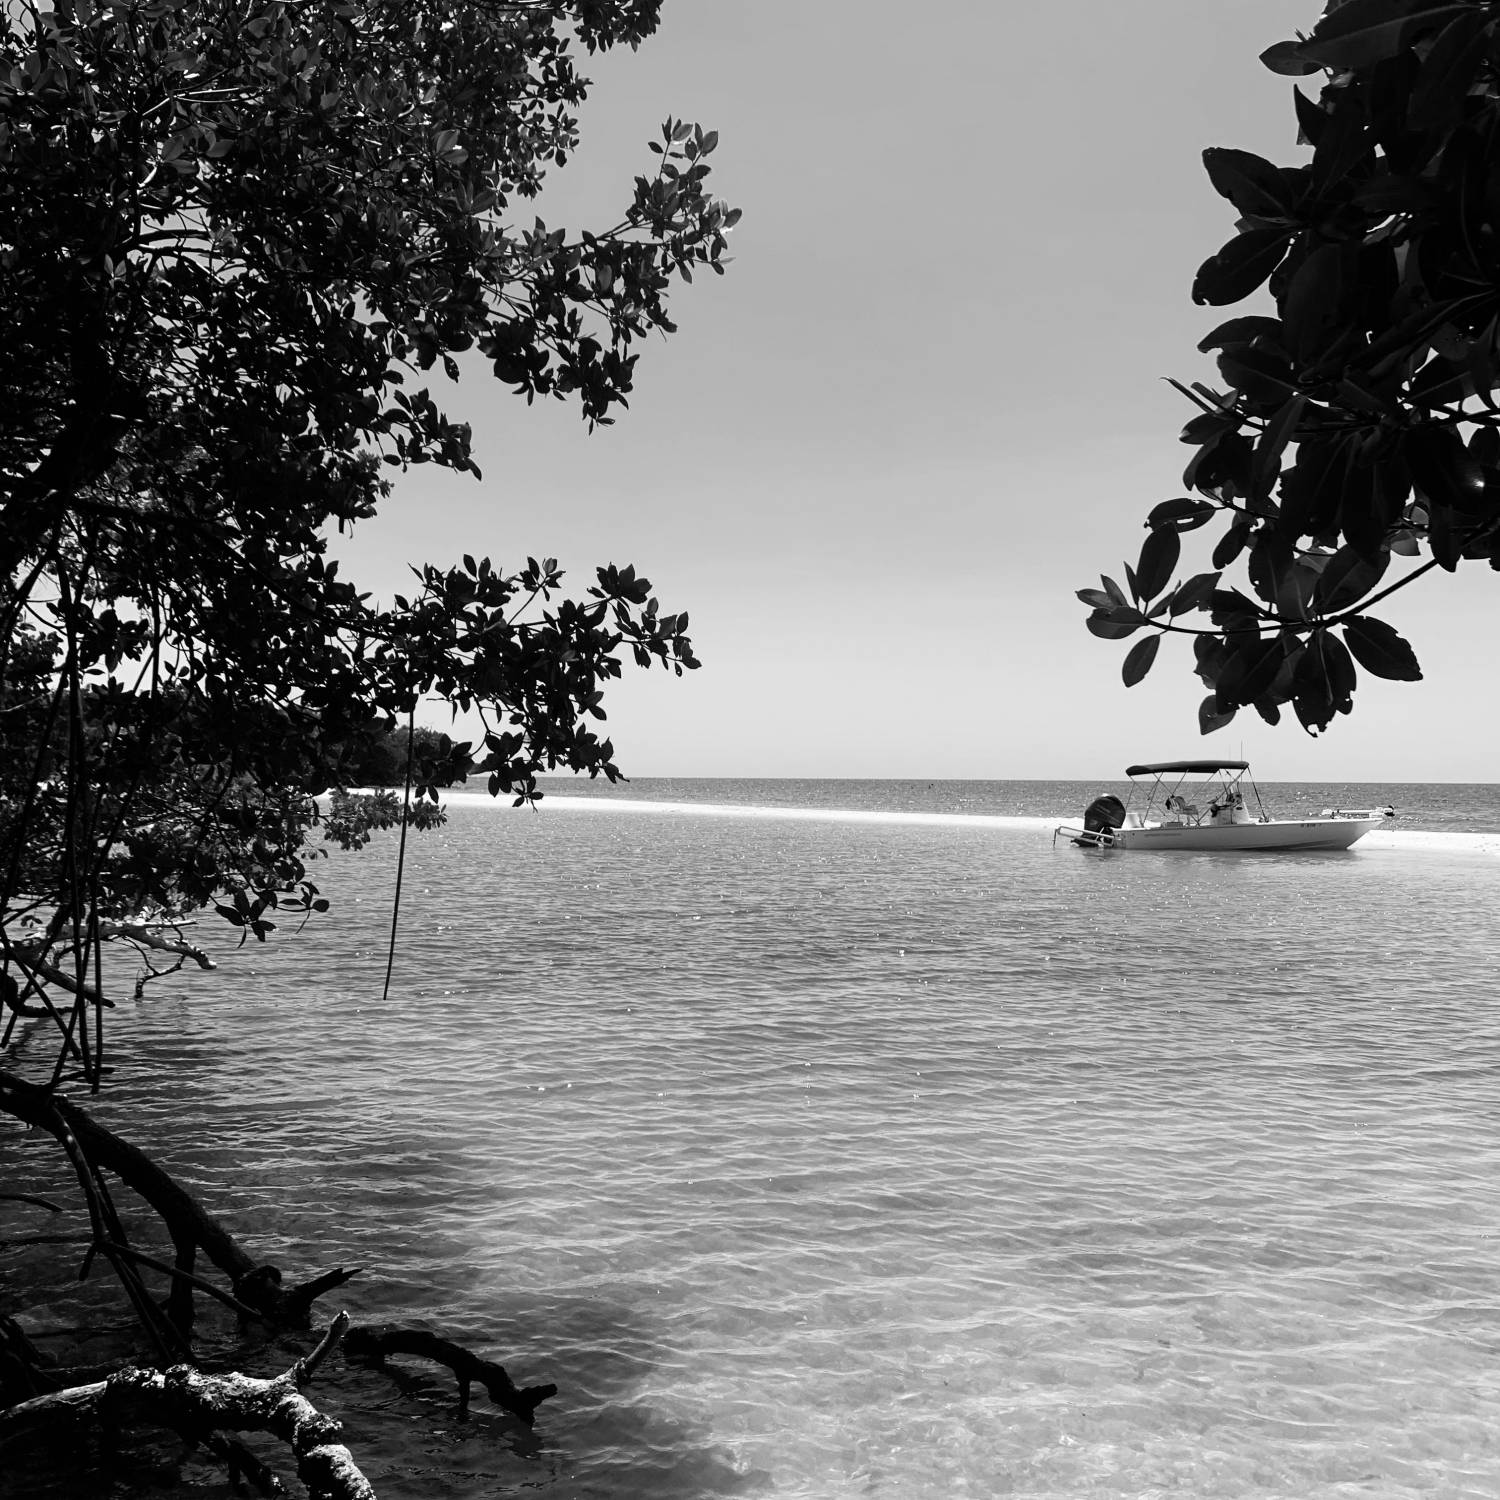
(1221, 791)
(1187, 767)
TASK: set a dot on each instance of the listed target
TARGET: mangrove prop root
(195, 1404)
(375, 1341)
(257, 1286)
(21, 1366)
(182, 1397)
(260, 1288)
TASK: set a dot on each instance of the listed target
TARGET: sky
(925, 404)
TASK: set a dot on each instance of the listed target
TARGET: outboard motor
(1104, 815)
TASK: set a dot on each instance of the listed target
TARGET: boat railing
(1088, 838)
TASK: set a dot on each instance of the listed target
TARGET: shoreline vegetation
(241, 248)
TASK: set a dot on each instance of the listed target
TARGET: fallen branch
(195, 1404)
(376, 1341)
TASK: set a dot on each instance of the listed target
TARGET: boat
(1205, 805)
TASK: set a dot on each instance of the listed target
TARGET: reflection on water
(847, 1158)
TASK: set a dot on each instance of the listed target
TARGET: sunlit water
(820, 1153)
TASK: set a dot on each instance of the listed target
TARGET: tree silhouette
(1351, 443)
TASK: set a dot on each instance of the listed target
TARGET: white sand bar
(1400, 839)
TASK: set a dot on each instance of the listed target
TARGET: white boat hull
(1211, 816)
(1291, 833)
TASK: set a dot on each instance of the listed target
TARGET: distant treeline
(385, 765)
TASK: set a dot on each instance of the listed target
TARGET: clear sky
(926, 402)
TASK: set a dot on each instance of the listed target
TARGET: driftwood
(377, 1340)
(196, 1405)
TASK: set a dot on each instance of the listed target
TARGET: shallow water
(861, 1156)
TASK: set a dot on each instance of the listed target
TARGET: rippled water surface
(855, 1156)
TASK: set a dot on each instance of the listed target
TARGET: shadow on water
(618, 1431)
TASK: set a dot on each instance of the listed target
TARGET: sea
(851, 1140)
